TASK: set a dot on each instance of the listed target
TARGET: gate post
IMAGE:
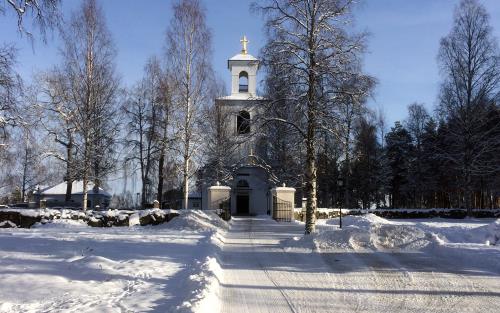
(283, 203)
(218, 195)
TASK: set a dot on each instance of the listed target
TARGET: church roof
(243, 57)
(241, 96)
(76, 189)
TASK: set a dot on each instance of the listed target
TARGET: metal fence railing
(224, 210)
(282, 210)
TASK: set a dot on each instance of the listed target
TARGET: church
(252, 189)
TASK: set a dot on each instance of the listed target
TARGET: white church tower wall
(252, 180)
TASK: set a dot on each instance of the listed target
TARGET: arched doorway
(242, 197)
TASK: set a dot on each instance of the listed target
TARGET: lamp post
(340, 183)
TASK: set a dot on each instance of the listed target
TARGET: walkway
(259, 276)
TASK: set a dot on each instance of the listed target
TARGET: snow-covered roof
(194, 195)
(76, 188)
(243, 57)
(242, 96)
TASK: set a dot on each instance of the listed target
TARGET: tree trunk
(310, 186)
(85, 193)
(186, 183)
(161, 164)
(310, 173)
(69, 169)
(86, 167)
(25, 172)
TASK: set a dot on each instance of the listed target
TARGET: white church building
(252, 189)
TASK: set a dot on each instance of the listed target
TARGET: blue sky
(402, 47)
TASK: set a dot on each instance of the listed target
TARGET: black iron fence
(224, 210)
(282, 210)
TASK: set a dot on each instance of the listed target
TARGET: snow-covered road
(261, 275)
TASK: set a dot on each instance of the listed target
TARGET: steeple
(243, 67)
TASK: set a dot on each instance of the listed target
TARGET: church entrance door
(242, 204)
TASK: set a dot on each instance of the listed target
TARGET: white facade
(243, 103)
(250, 190)
(243, 69)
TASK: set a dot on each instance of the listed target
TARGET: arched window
(242, 184)
(243, 82)
(243, 123)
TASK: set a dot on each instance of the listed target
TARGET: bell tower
(243, 67)
(243, 107)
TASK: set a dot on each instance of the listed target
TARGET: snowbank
(371, 232)
(493, 233)
(66, 265)
(198, 220)
(62, 223)
(203, 280)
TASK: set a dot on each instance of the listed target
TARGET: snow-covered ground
(371, 265)
(66, 266)
(198, 263)
(427, 265)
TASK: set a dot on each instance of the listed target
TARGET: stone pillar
(217, 195)
(284, 199)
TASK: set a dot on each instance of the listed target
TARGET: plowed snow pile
(197, 220)
(373, 233)
(493, 230)
(370, 232)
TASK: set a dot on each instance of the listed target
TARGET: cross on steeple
(244, 43)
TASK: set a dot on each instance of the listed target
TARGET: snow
(199, 263)
(7, 224)
(243, 57)
(377, 233)
(61, 224)
(370, 265)
(77, 188)
(66, 265)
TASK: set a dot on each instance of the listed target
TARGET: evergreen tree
(366, 164)
(398, 148)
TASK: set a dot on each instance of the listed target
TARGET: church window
(243, 123)
(242, 184)
(243, 82)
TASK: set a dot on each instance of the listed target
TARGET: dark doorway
(242, 204)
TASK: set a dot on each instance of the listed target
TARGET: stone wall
(25, 218)
(299, 214)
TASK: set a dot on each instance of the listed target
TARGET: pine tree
(366, 166)
(398, 149)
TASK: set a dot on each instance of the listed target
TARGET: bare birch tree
(88, 55)
(45, 14)
(315, 47)
(219, 145)
(58, 120)
(166, 138)
(144, 110)
(10, 91)
(189, 56)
